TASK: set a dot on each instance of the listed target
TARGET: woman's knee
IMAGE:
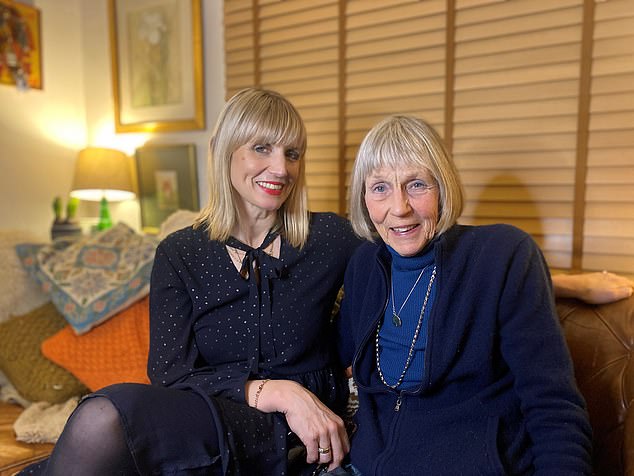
(94, 416)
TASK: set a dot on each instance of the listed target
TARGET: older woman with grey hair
(450, 330)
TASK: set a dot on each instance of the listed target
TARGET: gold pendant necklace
(396, 316)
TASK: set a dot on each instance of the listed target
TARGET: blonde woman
(240, 309)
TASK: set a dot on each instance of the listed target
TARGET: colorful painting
(20, 49)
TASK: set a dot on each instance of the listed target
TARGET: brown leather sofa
(601, 339)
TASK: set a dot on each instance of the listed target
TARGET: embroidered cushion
(34, 376)
(92, 279)
(113, 352)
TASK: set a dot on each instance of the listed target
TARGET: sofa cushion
(115, 351)
(94, 278)
(19, 294)
(34, 376)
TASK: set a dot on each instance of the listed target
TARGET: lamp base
(105, 221)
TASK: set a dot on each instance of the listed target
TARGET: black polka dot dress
(212, 330)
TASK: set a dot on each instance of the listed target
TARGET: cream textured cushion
(176, 221)
(19, 293)
(43, 422)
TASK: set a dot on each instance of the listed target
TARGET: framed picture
(167, 181)
(157, 65)
(20, 46)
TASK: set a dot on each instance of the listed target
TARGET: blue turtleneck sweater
(395, 342)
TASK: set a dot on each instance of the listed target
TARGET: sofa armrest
(601, 343)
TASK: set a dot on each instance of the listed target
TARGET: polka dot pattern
(210, 331)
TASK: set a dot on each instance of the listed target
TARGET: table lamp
(103, 175)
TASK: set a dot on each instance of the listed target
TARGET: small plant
(57, 209)
(71, 209)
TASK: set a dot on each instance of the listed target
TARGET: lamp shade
(102, 173)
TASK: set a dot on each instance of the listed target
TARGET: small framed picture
(167, 182)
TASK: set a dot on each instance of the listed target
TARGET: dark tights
(92, 443)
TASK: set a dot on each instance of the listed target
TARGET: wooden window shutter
(395, 63)
(515, 116)
(608, 235)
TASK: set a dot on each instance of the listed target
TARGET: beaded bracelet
(258, 392)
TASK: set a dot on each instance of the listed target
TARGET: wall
(42, 130)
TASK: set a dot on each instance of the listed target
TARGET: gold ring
(323, 451)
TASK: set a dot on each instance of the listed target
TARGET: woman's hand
(313, 422)
(594, 288)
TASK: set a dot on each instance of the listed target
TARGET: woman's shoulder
(330, 225)
(327, 219)
(185, 239)
(492, 232)
(498, 239)
(366, 253)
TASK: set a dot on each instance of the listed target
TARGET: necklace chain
(396, 316)
(414, 339)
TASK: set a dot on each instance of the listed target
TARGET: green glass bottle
(104, 216)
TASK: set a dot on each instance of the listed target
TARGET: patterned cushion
(93, 278)
(115, 351)
(34, 376)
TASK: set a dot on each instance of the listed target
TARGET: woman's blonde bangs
(270, 121)
(254, 116)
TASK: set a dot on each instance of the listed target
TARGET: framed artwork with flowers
(20, 46)
(157, 65)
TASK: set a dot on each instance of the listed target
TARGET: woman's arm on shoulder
(594, 288)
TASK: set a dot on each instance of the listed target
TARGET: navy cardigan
(497, 394)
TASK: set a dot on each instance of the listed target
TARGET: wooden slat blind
(535, 99)
(240, 48)
(515, 116)
(609, 214)
(293, 48)
(395, 63)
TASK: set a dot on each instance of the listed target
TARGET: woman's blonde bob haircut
(404, 141)
(262, 117)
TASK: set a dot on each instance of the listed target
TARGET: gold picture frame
(157, 65)
(167, 182)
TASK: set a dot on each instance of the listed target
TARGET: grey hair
(404, 141)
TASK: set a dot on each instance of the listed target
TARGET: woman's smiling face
(264, 175)
(403, 206)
